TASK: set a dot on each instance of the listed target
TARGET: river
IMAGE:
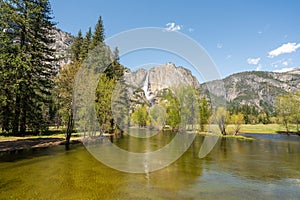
(265, 168)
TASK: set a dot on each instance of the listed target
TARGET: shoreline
(12, 143)
(19, 144)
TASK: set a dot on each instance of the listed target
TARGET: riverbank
(13, 143)
(10, 144)
(256, 128)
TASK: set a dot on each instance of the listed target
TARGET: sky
(238, 35)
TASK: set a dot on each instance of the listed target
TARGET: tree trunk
(6, 120)
(222, 128)
(16, 116)
(23, 122)
(69, 130)
(23, 117)
(224, 131)
(287, 128)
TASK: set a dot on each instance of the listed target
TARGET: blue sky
(238, 35)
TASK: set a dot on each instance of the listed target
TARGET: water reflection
(263, 168)
(258, 160)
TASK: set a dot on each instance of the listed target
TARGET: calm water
(265, 168)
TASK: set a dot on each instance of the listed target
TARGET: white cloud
(173, 27)
(284, 70)
(285, 48)
(282, 63)
(219, 45)
(258, 68)
(253, 61)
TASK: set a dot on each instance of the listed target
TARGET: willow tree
(205, 113)
(296, 110)
(64, 96)
(237, 120)
(221, 117)
(284, 110)
(288, 110)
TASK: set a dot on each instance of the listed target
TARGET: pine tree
(29, 24)
(76, 47)
(98, 36)
(7, 67)
(86, 43)
(116, 54)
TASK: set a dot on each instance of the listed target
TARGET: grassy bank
(240, 137)
(256, 128)
(263, 128)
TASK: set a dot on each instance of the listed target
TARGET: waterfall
(146, 87)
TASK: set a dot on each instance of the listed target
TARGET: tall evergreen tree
(7, 66)
(76, 47)
(30, 28)
(86, 43)
(98, 36)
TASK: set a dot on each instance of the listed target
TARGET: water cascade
(146, 88)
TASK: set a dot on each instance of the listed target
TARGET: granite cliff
(62, 44)
(256, 88)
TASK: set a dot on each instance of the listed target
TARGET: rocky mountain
(62, 44)
(158, 78)
(256, 88)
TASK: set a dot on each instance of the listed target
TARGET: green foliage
(104, 95)
(237, 120)
(284, 110)
(188, 97)
(64, 90)
(205, 113)
(141, 117)
(296, 109)
(86, 44)
(26, 72)
(288, 109)
(264, 118)
(157, 116)
(103, 102)
(76, 48)
(250, 113)
(98, 36)
(91, 57)
(115, 70)
(221, 118)
(172, 108)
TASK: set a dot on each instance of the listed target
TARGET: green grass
(256, 128)
(264, 128)
(240, 137)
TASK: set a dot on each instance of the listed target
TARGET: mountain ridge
(254, 88)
